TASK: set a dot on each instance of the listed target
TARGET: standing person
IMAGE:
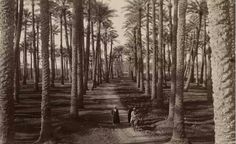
(133, 119)
(115, 115)
(129, 114)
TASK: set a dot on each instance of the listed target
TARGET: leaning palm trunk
(75, 15)
(46, 129)
(17, 52)
(160, 64)
(6, 71)
(148, 89)
(178, 130)
(222, 71)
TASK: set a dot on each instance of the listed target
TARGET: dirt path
(94, 125)
(97, 114)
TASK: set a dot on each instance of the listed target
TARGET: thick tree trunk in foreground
(222, 71)
(178, 130)
(6, 71)
(25, 69)
(46, 128)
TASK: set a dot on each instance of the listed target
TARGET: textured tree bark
(46, 128)
(148, 89)
(154, 62)
(141, 88)
(25, 69)
(17, 52)
(52, 53)
(173, 54)
(87, 53)
(36, 78)
(80, 54)
(178, 130)
(160, 60)
(6, 71)
(222, 71)
(61, 51)
(75, 24)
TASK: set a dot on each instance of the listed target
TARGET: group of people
(132, 116)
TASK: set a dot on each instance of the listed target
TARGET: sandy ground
(94, 125)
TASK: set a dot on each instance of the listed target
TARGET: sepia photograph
(117, 72)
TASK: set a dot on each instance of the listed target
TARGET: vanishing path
(98, 105)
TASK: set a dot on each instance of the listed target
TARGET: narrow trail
(98, 105)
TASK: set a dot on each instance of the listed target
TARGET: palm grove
(186, 42)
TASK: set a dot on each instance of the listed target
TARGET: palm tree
(160, 64)
(173, 66)
(223, 68)
(80, 53)
(101, 14)
(25, 69)
(17, 52)
(154, 62)
(46, 128)
(6, 71)
(148, 89)
(178, 130)
(87, 53)
(36, 78)
(75, 20)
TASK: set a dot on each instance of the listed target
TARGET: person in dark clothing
(129, 114)
(115, 115)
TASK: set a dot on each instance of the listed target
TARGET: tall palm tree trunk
(222, 71)
(178, 130)
(80, 54)
(135, 56)
(25, 56)
(17, 52)
(46, 128)
(67, 41)
(173, 38)
(87, 49)
(6, 71)
(61, 52)
(140, 51)
(52, 53)
(106, 58)
(148, 89)
(160, 64)
(36, 78)
(154, 62)
(75, 25)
